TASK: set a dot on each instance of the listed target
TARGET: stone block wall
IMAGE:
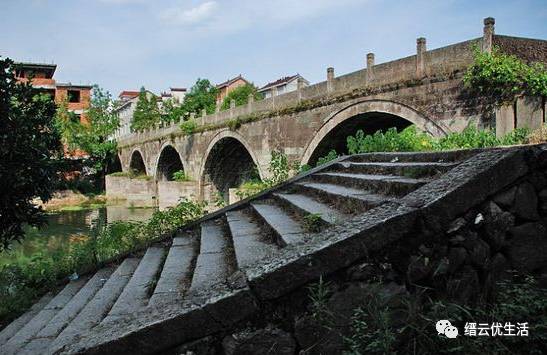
(171, 192)
(135, 192)
(525, 112)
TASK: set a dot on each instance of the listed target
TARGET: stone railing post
(250, 102)
(192, 115)
(274, 94)
(488, 34)
(330, 79)
(217, 108)
(203, 112)
(299, 87)
(420, 60)
(370, 67)
(232, 107)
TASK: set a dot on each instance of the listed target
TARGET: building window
(73, 96)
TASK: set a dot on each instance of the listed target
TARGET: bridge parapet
(437, 63)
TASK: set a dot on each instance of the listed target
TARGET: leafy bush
(330, 156)
(251, 188)
(22, 281)
(188, 127)
(501, 77)
(410, 140)
(379, 329)
(389, 141)
(180, 176)
(240, 95)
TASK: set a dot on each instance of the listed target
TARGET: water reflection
(70, 224)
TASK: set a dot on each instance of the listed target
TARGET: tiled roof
(127, 93)
(280, 81)
(231, 81)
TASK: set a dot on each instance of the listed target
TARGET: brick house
(76, 96)
(229, 85)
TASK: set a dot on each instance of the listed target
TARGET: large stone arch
(137, 162)
(167, 162)
(375, 108)
(226, 162)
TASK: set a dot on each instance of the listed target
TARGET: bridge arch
(370, 116)
(136, 162)
(168, 162)
(114, 165)
(228, 162)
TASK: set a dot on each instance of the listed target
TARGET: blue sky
(125, 44)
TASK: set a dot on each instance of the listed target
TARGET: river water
(64, 225)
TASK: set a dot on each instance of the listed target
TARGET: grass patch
(313, 222)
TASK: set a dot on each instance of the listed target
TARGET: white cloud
(191, 16)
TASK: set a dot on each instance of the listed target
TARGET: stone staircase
(221, 269)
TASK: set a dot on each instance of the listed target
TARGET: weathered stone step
(136, 293)
(41, 319)
(304, 206)
(250, 245)
(392, 185)
(54, 327)
(11, 329)
(406, 169)
(177, 271)
(446, 156)
(98, 307)
(279, 222)
(346, 199)
(215, 261)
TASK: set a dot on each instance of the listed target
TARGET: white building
(283, 85)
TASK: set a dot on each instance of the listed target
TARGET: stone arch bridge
(232, 146)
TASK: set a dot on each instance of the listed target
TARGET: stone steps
(406, 169)
(305, 206)
(215, 261)
(275, 219)
(440, 157)
(209, 254)
(66, 315)
(250, 245)
(176, 273)
(99, 306)
(346, 199)
(391, 185)
(42, 318)
(136, 294)
(11, 329)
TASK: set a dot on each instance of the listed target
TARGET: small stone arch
(136, 162)
(228, 161)
(114, 165)
(168, 162)
(393, 114)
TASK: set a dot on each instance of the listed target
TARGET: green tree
(30, 150)
(93, 135)
(172, 111)
(202, 95)
(147, 112)
(241, 96)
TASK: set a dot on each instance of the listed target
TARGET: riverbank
(68, 200)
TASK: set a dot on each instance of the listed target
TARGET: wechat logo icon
(444, 327)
